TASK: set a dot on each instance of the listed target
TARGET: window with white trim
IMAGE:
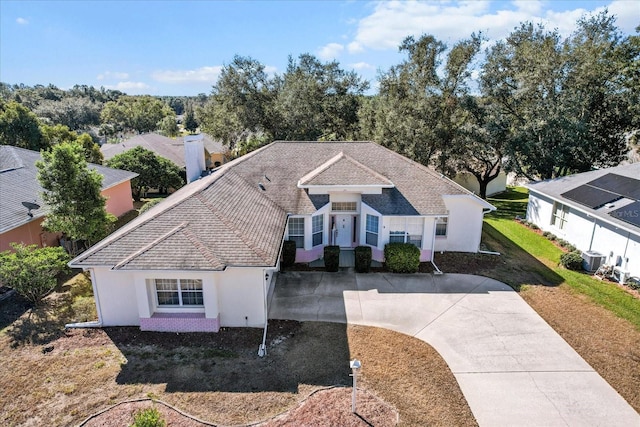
(296, 231)
(372, 230)
(317, 225)
(179, 292)
(559, 215)
(441, 227)
(406, 230)
(344, 206)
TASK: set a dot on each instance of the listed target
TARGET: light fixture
(266, 277)
(355, 365)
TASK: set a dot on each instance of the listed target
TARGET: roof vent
(610, 205)
(267, 178)
(261, 186)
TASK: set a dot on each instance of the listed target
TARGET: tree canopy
(153, 171)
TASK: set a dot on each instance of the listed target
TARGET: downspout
(433, 248)
(593, 233)
(96, 296)
(262, 350)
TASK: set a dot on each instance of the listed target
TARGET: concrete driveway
(512, 367)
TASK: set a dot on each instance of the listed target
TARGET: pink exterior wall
(179, 322)
(425, 255)
(119, 198)
(30, 233)
(308, 256)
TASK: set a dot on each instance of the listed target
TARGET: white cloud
(199, 75)
(449, 21)
(22, 21)
(330, 51)
(362, 66)
(111, 75)
(129, 86)
(270, 69)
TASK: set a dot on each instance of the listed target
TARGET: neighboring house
(495, 186)
(216, 154)
(597, 211)
(170, 149)
(19, 183)
(205, 257)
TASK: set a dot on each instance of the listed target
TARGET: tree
(241, 102)
(20, 127)
(58, 134)
(137, 113)
(73, 193)
(190, 123)
(169, 127)
(418, 111)
(32, 271)
(153, 171)
(75, 113)
(317, 100)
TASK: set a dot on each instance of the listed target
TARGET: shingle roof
(237, 215)
(213, 146)
(19, 183)
(342, 170)
(555, 188)
(170, 149)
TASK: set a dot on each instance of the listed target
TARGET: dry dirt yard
(55, 377)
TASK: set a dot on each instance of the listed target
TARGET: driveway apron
(512, 367)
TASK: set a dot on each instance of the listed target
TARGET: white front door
(344, 226)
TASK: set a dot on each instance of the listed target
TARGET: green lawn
(518, 244)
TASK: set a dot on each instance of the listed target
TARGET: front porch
(347, 260)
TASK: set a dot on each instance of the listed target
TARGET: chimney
(194, 156)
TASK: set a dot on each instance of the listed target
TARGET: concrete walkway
(512, 367)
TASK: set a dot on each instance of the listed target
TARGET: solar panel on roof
(629, 213)
(623, 185)
(590, 196)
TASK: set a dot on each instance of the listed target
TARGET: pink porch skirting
(179, 322)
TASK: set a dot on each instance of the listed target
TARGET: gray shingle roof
(343, 170)
(170, 149)
(19, 183)
(554, 188)
(237, 215)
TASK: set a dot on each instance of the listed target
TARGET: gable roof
(170, 149)
(19, 183)
(342, 170)
(213, 146)
(600, 193)
(237, 215)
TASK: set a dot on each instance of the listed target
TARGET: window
(406, 230)
(372, 230)
(179, 292)
(296, 231)
(344, 206)
(317, 224)
(560, 214)
(441, 227)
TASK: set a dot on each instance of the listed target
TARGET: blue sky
(178, 47)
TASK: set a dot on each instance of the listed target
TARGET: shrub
(546, 234)
(332, 258)
(534, 227)
(572, 260)
(402, 257)
(32, 271)
(288, 254)
(84, 309)
(571, 248)
(149, 205)
(363, 259)
(149, 417)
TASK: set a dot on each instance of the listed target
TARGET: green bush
(572, 260)
(363, 259)
(547, 234)
(149, 417)
(332, 258)
(402, 257)
(149, 205)
(288, 254)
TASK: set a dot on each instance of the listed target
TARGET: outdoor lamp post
(354, 365)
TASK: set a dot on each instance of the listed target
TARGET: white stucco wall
(235, 295)
(586, 233)
(464, 228)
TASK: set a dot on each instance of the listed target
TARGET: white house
(597, 211)
(205, 257)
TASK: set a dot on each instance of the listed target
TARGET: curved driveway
(512, 367)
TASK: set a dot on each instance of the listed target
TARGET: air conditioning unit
(592, 260)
